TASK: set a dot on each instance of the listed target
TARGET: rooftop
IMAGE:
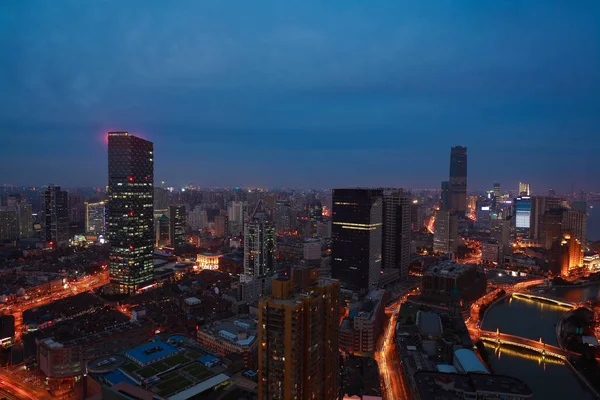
(448, 268)
(151, 351)
(429, 323)
(469, 361)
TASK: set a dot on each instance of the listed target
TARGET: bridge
(546, 298)
(533, 345)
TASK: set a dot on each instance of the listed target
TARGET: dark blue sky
(304, 93)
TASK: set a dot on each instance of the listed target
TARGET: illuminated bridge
(545, 298)
(533, 345)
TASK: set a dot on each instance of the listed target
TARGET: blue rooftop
(117, 377)
(151, 351)
(207, 359)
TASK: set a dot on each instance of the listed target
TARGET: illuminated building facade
(566, 254)
(539, 206)
(177, 223)
(95, 218)
(130, 216)
(298, 330)
(260, 247)
(523, 189)
(208, 260)
(357, 235)
(458, 180)
(522, 206)
(9, 225)
(575, 221)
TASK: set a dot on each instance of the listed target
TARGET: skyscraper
(260, 247)
(55, 216)
(496, 190)
(445, 232)
(95, 218)
(237, 213)
(298, 335)
(522, 205)
(396, 231)
(458, 180)
(539, 206)
(9, 226)
(551, 227)
(523, 189)
(575, 222)
(177, 223)
(129, 212)
(445, 196)
(357, 235)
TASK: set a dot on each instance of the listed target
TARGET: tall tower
(396, 231)
(357, 234)
(575, 222)
(55, 216)
(129, 212)
(260, 247)
(523, 189)
(298, 335)
(445, 196)
(458, 180)
(177, 223)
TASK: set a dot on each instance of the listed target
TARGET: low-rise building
(234, 335)
(450, 282)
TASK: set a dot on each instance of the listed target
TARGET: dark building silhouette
(55, 216)
(458, 180)
(357, 234)
(396, 231)
(130, 225)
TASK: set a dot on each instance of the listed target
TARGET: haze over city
(306, 94)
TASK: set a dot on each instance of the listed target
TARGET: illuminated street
(390, 369)
(14, 387)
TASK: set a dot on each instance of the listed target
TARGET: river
(535, 320)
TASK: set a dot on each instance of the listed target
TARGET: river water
(535, 320)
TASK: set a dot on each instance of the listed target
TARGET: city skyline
(297, 98)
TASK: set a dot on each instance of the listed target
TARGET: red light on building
(131, 213)
(131, 247)
(131, 179)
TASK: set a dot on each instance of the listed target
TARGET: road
(16, 388)
(84, 284)
(390, 369)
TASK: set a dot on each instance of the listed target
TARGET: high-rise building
(25, 220)
(523, 189)
(198, 219)
(445, 232)
(396, 231)
(162, 232)
(551, 227)
(458, 180)
(357, 235)
(221, 225)
(565, 254)
(177, 223)
(522, 205)
(575, 222)
(539, 206)
(298, 335)
(496, 190)
(95, 218)
(9, 225)
(445, 196)
(260, 247)
(283, 216)
(55, 216)
(237, 212)
(130, 211)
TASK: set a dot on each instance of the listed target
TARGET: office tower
(445, 232)
(76, 207)
(458, 180)
(565, 255)
(298, 335)
(283, 216)
(539, 206)
(500, 233)
(161, 198)
(357, 234)
(260, 247)
(522, 206)
(396, 231)
(221, 225)
(445, 196)
(551, 227)
(575, 222)
(9, 225)
(177, 223)
(55, 216)
(417, 216)
(237, 212)
(523, 189)
(129, 212)
(95, 218)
